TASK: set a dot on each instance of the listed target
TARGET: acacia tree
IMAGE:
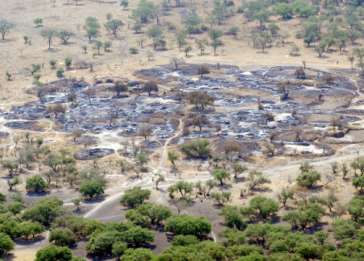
(181, 38)
(215, 36)
(144, 11)
(156, 34)
(65, 36)
(113, 26)
(91, 27)
(5, 27)
(221, 175)
(49, 34)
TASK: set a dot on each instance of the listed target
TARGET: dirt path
(164, 153)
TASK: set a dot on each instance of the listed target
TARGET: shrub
(36, 184)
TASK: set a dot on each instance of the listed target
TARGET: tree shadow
(31, 241)
(37, 194)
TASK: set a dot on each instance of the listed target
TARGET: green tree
(101, 243)
(93, 188)
(113, 26)
(356, 209)
(184, 188)
(49, 34)
(219, 11)
(188, 225)
(262, 207)
(358, 183)
(52, 252)
(285, 195)
(38, 22)
(192, 22)
(12, 165)
(285, 10)
(308, 178)
(119, 248)
(215, 36)
(221, 198)
(307, 215)
(221, 175)
(233, 218)
(154, 213)
(44, 211)
(27, 229)
(62, 237)
(65, 36)
(156, 34)
(199, 149)
(6, 244)
(91, 27)
(144, 11)
(68, 62)
(181, 38)
(309, 250)
(311, 32)
(344, 229)
(303, 8)
(137, 236)
(256, 179)
(135, 197)
(172, 157)
(36, 184)
(5, 27)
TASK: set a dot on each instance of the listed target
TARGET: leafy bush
(36, 184)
